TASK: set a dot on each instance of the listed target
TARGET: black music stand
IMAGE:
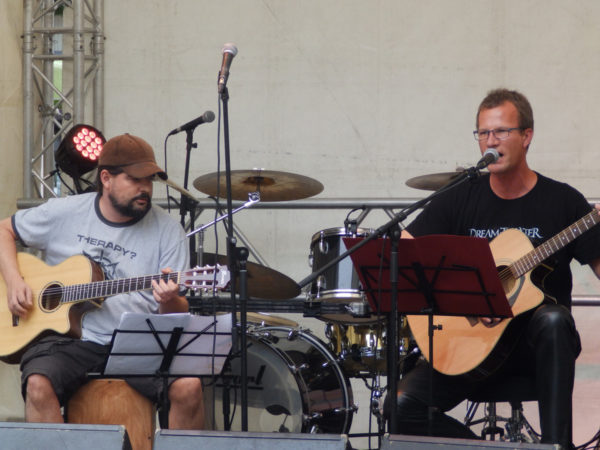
(437, 275)
(168, 345)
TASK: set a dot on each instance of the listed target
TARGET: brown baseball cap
(133, 154)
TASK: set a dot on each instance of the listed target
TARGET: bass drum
(294, 385)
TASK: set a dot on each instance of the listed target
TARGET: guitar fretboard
(536, 256)
(106, 288)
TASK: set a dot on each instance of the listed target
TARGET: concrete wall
(360, 95)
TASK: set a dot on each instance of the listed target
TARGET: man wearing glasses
(511, 196)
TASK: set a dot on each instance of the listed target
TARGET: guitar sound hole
(508, 281)
(51, 297)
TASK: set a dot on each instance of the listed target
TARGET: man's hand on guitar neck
(167, 295)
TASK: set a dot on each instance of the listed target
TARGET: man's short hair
(500, 96)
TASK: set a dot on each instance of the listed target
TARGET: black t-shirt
(473, 209)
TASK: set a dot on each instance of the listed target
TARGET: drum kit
(296, 381)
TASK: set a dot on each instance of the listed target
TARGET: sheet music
(135, 350)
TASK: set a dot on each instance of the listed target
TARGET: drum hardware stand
(200, 255)
(351, 225)
(226, 405)
(203, 305)
(230, 382)
(358, 309)
(253, 197)
(376, 396)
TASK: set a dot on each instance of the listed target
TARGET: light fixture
(78, 152)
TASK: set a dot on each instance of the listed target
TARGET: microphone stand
(235, 256)
(392, 229)
(253, 197)
(187, 204)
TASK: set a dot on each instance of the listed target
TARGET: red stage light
(78, 152)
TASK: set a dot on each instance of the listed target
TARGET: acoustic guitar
(63, 293)
(463, 345)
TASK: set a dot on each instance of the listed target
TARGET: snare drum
(363, 348)
(294, 385)
(360, 348)
(340, 282)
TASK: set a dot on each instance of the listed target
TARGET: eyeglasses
(499, 133)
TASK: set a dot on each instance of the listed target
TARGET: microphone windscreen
(230, 48)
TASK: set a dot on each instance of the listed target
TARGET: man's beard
(129, 209)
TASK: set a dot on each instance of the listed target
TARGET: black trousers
(546, 350)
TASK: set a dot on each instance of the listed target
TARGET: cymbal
(433, 181)
(263, 282)
(273, 186)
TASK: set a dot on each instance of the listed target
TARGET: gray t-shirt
(63, 227)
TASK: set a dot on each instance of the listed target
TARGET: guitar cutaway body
(48, 315)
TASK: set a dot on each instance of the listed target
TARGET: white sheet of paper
(143, 355)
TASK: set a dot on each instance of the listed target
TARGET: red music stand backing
(437, 274)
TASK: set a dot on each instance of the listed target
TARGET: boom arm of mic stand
(253, 197)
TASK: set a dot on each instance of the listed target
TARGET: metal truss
(63, 80)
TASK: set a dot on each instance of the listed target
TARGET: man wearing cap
(119, 229)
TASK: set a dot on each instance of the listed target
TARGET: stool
(514, 390)
(114, 402)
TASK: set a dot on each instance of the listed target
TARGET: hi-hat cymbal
(433, 181)
(263, 282)
(273, 186)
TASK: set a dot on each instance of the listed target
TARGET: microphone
(490, 156)
(229, 51)
(208, 116)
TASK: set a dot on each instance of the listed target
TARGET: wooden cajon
(114, 402)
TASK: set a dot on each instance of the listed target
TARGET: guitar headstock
(206, 278)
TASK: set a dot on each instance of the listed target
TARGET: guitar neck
(106, 288)
(536, 256)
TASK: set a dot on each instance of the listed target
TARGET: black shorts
(66, 362)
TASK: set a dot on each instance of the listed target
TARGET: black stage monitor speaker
(50, 436)
(238, 440)
(402, 442)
